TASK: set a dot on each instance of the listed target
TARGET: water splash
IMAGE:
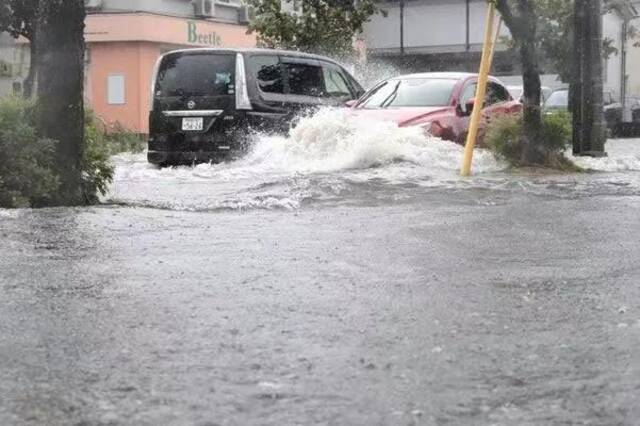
(327, 154)
(334, 140)
(336, 157)
(622, 155)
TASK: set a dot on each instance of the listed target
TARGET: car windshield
(558, 99)
(546, 92)
(196, 75)
(413, 92)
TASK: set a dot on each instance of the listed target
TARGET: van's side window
(305, 79)
(268, 72)
(335, 83)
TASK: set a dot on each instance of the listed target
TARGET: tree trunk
(595, 134)
(523, 28)
(532, 115)
(60, 71)
(29, 81)
(587, 97)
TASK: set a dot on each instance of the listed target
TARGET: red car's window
(496, 94)
(413, 92)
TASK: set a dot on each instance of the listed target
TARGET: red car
(441, 103)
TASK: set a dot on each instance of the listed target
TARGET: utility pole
(587, 86)
(623, 71)
(402, 28)
(576, 89)
(467, 44)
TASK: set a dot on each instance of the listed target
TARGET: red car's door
(467, 93)
(497, 101)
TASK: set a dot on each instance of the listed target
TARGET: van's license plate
(192, 124)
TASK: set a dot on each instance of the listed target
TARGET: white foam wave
(622, 155)
(321, 153)
(9, 214)
(335, 140)
(330, 141)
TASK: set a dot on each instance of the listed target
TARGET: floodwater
(333, 158)
(342, 276)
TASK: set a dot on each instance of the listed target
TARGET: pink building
(122, 49)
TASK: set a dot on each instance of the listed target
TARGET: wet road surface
(499, 300)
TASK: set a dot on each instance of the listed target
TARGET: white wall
(633, 62)
(612, 29)
(170, 7)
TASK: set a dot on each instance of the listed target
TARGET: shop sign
(208, 39)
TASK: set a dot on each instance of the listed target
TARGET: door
(339, 86)
(305, 85)
(268, 93)
(191, 90)
(497, 102)
(287, 87)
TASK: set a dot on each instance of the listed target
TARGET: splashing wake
(334, 156)
(325, 155)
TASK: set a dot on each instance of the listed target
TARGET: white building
(633, 58)
(431, 35)
(440, 35)
(615, 27)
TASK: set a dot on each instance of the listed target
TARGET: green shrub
(504, 134)
(115, 138)
(557, 131)
(97, 170)
(28, 175)
(120, 139)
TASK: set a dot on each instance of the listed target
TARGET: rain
(229, 213)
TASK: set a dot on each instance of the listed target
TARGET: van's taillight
(242, 95)
(154, 79)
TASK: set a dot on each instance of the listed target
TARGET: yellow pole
(483, 77)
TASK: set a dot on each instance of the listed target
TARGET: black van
(205, 101)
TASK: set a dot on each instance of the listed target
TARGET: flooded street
(343, 276)
(335, 159)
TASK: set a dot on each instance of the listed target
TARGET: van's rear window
(196, 75)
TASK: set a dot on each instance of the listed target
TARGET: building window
(116, 90)
(17, 88)
(6, 70)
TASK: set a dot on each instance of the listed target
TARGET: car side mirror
(350, 103)
(467, 108)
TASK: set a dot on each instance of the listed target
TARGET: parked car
(614, 115)
(441, 103)
(205, 101)
(518, 91)
(559, 101)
